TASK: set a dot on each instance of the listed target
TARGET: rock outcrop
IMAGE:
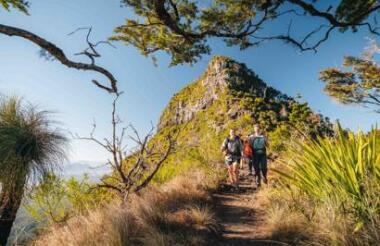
(224, 79)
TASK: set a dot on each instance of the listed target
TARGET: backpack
(247, 149)
(233, 146)
(259, 145)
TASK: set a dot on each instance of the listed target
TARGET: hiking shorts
(230, 160)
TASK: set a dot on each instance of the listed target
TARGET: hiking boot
(265, 180)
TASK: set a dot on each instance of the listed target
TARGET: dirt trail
(243, 223)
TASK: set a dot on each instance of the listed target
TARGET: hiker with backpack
(232, 148)
(248, 153)
(259, 144)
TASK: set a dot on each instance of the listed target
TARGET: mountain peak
(229, 95)
(226, 72)
(223, 79)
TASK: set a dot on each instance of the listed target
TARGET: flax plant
(343, 170)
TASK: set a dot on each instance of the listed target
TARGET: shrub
(55, 200)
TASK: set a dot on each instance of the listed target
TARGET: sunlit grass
(334, 184)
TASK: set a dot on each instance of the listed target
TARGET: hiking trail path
(242, 220)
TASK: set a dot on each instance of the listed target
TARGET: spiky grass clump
(334, 184)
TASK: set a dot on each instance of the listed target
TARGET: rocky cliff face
(224, 79)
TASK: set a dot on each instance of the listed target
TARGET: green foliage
(360, 85)
(21, 5)
(280, 138)
(47, 200)
(56, 200)
(354, 11)
(182, 28)
(343, 171)
(304, 120)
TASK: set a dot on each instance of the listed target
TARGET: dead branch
(157, 165)
(133, 172)
(58, 54)
(91, 51)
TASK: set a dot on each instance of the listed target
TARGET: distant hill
(77, 169)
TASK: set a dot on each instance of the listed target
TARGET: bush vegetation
(56, 200)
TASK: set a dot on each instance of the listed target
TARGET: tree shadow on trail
(242, 224)
(250, 242)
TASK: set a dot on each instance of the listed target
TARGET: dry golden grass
(95, 228)
(293, 219)
(176, 213)
(287, 226)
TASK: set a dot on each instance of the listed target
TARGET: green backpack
(259, 145)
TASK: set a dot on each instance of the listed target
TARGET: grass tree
(30, 146)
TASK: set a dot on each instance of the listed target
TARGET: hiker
(232, 148)
(259, 145)
(248, 153)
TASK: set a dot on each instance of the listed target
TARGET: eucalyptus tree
(183, 28)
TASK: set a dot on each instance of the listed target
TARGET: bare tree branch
(91, 52)
(157, 166)
(130, 177)
(163, 12)
(58, 54)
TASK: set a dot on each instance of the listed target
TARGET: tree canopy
(21, 5)
(182, 28)
(358, 84)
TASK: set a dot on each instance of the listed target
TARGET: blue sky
(76, 102)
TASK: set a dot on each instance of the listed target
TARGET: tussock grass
(203, 219)
(177, 213)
